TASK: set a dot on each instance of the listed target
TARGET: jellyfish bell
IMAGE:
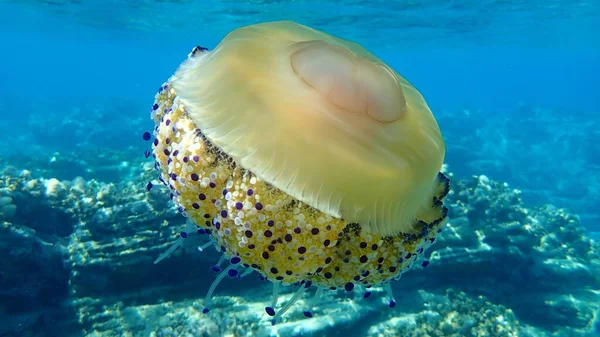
(321, 119)
(302, 157)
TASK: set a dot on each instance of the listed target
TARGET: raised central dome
(321, 119)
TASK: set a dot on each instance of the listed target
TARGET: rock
(521, 258)
(33, 283)
(55, 189)
(8, 211)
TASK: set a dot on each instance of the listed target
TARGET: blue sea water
(513, 83)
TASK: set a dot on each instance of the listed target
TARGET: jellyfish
(302, 157)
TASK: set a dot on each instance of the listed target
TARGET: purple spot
(235, 260)
(367, 294)
(212, 185)
(196, 206)
(223, 213)
(425, 264)
(250, 192)
(168, 121)
(308, 314)
(149, 186)
(232, 273)
(258, 206)
(349, 286)
(392, 304)
(155, 141)
(216, 269)
(201, 196)
(147, 153)
(186, 159)
(238, 205)
(146, 136)
(196, 159)
(195, 177)
(270, 311)
(183, 235)
(205, 310)
(155, 106)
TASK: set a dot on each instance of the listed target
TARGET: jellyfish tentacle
(276, 288)
(246, 272)
(301, 290)
(217, 266)
(190, 228)
(318, 295)
(206, 245)
(213, 286)
(388, 289)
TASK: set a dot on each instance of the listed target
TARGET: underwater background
(513, 85)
